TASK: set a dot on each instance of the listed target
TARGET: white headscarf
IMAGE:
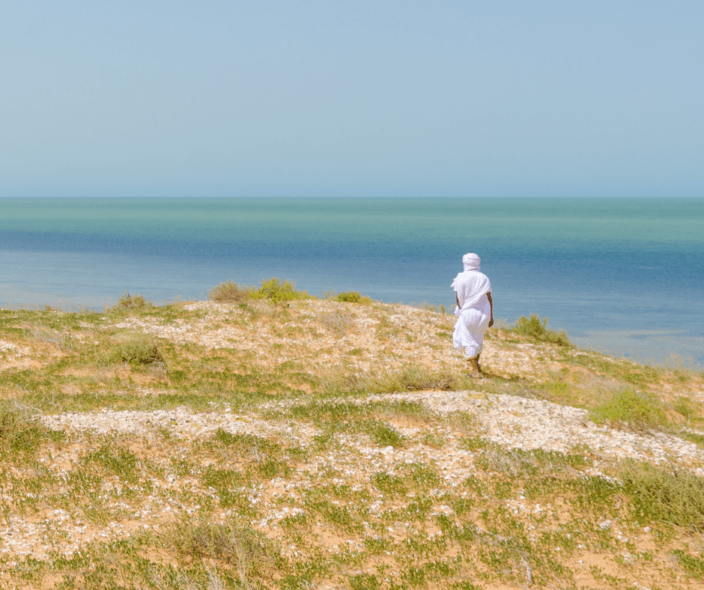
(471, 261)
(471, 285)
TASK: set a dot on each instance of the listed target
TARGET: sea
(623, 276)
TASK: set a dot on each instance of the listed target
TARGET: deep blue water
(624, 275)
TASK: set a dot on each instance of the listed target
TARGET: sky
(363, 98)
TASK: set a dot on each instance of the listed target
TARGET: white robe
(474, 312)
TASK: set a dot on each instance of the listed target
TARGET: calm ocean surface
(621, 275)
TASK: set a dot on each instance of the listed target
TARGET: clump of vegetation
(688, 408)
(640, 410)
(277, 291)
(19, 434)
(231, 292)
(132, 303)
(694, 566)
(135, 349)
(535, 327)
(352, 297)
(272, 289)
(248, 552)
(659, 495)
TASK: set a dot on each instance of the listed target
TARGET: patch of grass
(436, 308)
(688, 408)
(272, 468)
(135, 349)
(640, 410)
(557, 391)
(20, 435)
(407, 379)
(536, 328)
(116, 460)
(391, 485)
(697, 439)
(365, 582)
(694, 566)
(382, 434)
(379, 432)
(345, 518)
(253, 556)
(337, 321)
(248, 445)
(676, 497)
(228, 484)
(619, 369)
(351, 418)
(328, 412)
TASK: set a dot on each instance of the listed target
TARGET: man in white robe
(474, 311)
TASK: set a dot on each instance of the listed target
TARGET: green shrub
(349, 296)
(132, 302)
(135, 349)
(352, 297)
(536, 328)
(277, 291)
(231, 292)
(272, 289)
(641, 410)
(660, 495)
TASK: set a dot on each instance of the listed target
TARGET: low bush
(135, 349)
(131, 302)
(640, 410)
(231, 292)
(352, 297)
(349, 296)
(277, 291)
(660, 495)
(272, 289)
(536, 328)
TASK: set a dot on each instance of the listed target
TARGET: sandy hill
(312, 443)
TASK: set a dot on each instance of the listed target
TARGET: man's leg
(474, 366)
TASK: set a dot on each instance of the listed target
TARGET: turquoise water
(623, 275)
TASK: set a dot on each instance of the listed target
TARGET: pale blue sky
(380, 97)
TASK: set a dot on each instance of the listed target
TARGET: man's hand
(491, 302)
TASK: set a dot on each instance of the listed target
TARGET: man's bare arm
(491, 303)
